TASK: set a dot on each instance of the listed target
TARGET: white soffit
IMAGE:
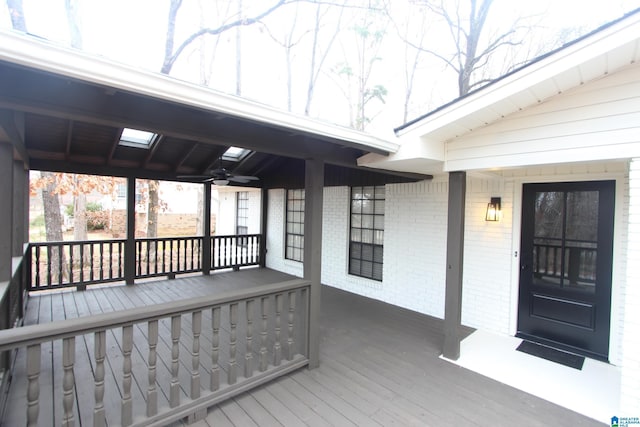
(25, 50)
(604, 51)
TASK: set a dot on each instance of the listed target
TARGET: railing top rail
(16, 261)
(558, 239)
(33, 334)
(236, 235)
(155, 239)
(77, 242)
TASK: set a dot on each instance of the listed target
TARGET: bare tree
(239, 52)
(16, 12)
(359, 89)
(318, 54)
(411, 28)
(53, 222)
(471, 56)
(171, 55)
(288, 41)
(73, 19)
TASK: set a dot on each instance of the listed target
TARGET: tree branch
(171, 58)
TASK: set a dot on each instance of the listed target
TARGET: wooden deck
(379, 366)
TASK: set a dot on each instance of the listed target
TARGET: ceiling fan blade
(246, 178)
(238, 179)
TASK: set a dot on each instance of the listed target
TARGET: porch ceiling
(71, 119)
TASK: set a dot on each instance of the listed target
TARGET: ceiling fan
(221, 176)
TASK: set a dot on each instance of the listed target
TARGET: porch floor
(380, 365)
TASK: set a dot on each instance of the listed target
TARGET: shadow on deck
(379, 366)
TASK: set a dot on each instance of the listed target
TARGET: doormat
(558, 356)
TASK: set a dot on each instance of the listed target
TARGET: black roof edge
(516, 70)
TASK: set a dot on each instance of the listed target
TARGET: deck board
(379, 365)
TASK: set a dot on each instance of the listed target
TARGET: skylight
(137, 138)
(235, 154)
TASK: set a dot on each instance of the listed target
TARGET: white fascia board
(598, 44)
(47, 56)
(412, 150)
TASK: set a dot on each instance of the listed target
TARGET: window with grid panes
(242, 215)
(295, 225)
(367, 232)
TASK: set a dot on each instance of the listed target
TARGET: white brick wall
(226, 215)
(486, 293)
(415, 250)
(275, 236)
(630, 387)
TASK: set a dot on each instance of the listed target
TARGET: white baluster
(152, 391)
(33, 385)
(174, 390)
(233, 321)
(290, 340)
(68, 380)
(248, 356)
(127, 402)
(263, 334)
(100, 352)
(277, 348)
(215, 346)
(196, 327)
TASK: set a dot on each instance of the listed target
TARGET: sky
(133, 32)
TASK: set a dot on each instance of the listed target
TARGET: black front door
(565, 265)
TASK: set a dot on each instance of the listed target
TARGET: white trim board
(593, 391)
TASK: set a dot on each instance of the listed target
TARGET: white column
(630, 387)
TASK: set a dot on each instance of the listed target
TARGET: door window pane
(565, 239)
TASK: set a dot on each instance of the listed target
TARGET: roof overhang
(610, 48)
(18, 48)
(65, 110)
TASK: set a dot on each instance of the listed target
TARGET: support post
(455, 252)
(206, 229)
(314, 186)
(20, 211)
(130, 243)
(264, 217)
(6, 209)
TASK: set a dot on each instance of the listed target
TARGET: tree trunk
(17, 15)
(73, 21)
(53, 223)
(80, 225)
(239, 54)
(152, 209)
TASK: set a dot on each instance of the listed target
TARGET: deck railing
(13, 295)
(235, 251)
(578, 263)
(76, 263)
(168, 256)
(135, 356)
(81, 263)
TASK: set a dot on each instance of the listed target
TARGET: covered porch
(380, 364)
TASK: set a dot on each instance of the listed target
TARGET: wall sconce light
(494, 209)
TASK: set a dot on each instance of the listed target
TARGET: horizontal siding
(599, 120)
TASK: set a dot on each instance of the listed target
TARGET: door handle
(524, 267)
